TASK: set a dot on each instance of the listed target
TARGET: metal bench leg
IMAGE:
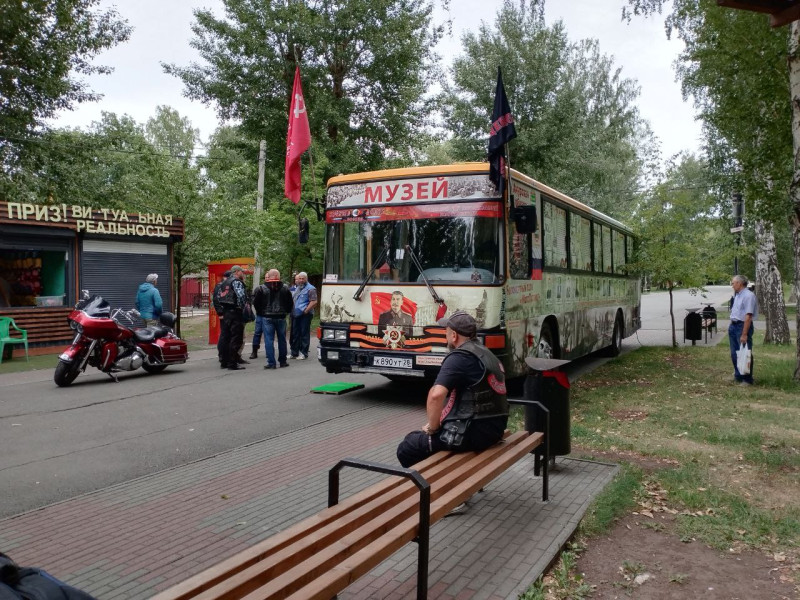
(424, 531)
(544, 450)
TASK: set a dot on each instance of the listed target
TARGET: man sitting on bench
(467, 407)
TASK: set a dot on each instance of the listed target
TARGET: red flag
(382, 302)
(298, 140)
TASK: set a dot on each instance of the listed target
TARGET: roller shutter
(116, 269)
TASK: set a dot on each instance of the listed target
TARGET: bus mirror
(524, 218)
(302, 231)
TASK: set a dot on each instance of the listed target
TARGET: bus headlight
(334, 335)
(333, 355)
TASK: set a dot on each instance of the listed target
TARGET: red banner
(298, 140)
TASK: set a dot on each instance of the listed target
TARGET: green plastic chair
(5, 336)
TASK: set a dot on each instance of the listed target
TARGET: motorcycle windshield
(96, 306)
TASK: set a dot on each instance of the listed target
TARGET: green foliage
(734, 66)
(680, 234)
(363, 65)
(234, 228)
(579, 130)
(46, 47)
(562, 581)
(616, 499)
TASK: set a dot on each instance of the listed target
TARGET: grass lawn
(723, 458)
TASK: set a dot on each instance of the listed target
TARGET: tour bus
(544, 275)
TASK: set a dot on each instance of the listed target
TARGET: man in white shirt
(743, 311)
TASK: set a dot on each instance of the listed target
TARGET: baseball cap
(461, 322)
(235, 269)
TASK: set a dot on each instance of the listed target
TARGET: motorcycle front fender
(75, 349)
(78, 350)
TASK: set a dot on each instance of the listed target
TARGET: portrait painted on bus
(397, 314)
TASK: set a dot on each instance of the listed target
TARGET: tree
(579, 130)
(231, 172)
(45, 47)
(735, 67)
(173, 139)
(363, 66)
(675, 218)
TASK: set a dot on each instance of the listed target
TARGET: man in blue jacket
(305, 299)
(148, 300)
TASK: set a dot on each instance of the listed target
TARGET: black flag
(502, 132)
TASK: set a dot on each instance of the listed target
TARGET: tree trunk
(794, 189)
(796, 239)
(672, 317)
(769, 287)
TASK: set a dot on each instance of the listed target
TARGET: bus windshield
(457, 243)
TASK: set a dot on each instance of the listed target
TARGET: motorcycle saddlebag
(173, 350)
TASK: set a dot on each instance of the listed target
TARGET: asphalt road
(57, 443)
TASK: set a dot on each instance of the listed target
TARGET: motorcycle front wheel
(66, 372)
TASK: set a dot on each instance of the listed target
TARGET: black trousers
(233, 331)
(481, 434)
(222, 340)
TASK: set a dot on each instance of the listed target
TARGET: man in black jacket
(467, 406)
(232, 295)
(272, 302)
(222, 339)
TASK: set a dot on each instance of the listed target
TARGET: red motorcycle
(103, 340)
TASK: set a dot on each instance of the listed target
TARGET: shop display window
(32, 278)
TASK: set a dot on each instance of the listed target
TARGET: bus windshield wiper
(415, 260)
(376, 264)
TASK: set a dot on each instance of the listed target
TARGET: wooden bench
(45, 325)
(319, 557)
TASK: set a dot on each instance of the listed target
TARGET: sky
(162, 32)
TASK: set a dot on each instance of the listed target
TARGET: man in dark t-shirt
(470, 372)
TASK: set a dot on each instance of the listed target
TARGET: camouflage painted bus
(543, 274)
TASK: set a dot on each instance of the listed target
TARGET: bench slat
(190, 588)
(375, 518)
(390, 511)
(321, 579)
(339, 544)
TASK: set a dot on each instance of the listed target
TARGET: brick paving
(132, 540)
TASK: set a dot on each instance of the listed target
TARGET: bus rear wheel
(616, 338)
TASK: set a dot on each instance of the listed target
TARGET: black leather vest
(486, 398)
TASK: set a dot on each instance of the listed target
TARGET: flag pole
(508, 174)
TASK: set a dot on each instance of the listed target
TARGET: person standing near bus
(467, 407)
(233, 298)
(743, 311)
(305, 299)
(273, 301)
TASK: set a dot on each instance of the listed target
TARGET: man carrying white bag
(740, 331)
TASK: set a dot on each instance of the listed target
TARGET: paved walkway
(136, 538)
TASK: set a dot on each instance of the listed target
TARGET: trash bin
(549, 386)
(693, 327)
